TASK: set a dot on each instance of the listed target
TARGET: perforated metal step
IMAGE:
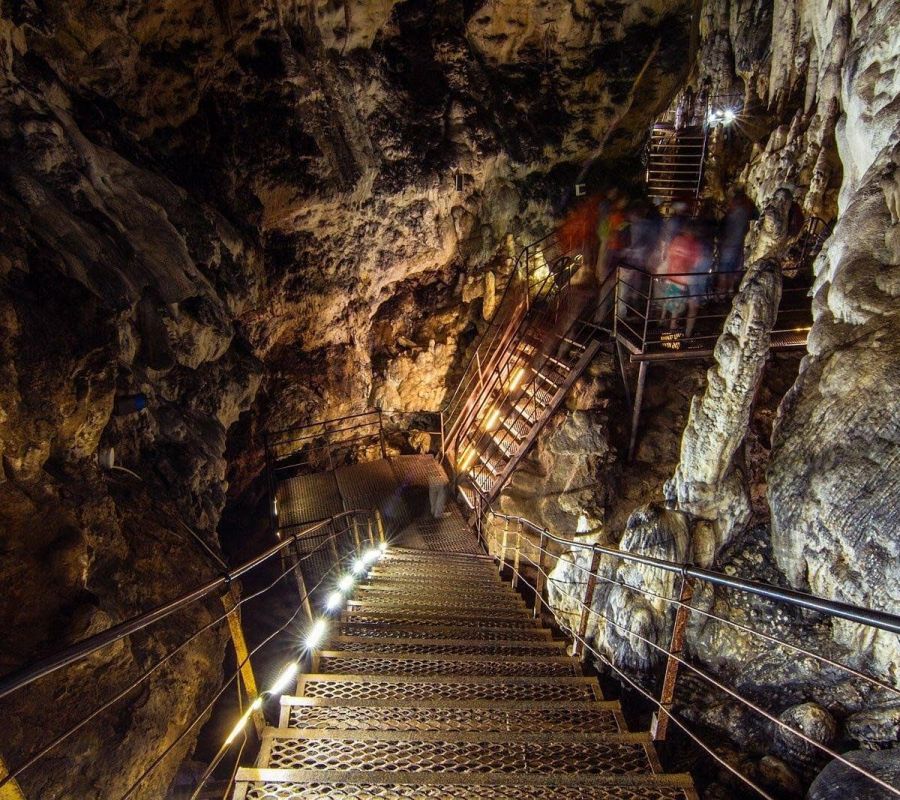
(318, 784)
(374, 663)
(383, 644)
(486, 716)
(388, 687)
(437, 630)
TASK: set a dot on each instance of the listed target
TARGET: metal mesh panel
(417, 666)
(447, 690)
(418, 631)
(413, 648)
(346, 791)
(583, 719)
(418, 617)
(602, 757)
(505, 605)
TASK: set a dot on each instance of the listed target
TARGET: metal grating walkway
(438, 683)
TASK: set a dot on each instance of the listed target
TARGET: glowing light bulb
(316, 634)
(728, 116)
(517, 379)
(383, 547)
(492, 420)
(284, 680)
(334, 601)
(256, 704)
(372, 555)
(345, 584)
(359, 567)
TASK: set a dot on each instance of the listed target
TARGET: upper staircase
(437, 682)
(675, 162)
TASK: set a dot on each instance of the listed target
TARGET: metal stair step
(380, 587)
(457, 752)
(389, 600)
(389, 687)
(375, 663)
(413, 579)
(437, 630)
(511, 647)
(277, 784)
(488, 716)
(486, 618)
(455, 606)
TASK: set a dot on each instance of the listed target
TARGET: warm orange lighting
(467, 459)
(517, 379)
(492, 420)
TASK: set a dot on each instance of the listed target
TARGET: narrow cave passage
(423, 399)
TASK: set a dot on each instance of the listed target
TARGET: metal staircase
(542, 338)
(438, 683)
(675, 162)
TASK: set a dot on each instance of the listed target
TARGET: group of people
(689, 258)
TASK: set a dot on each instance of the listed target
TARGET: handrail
(19, 678)
(882, 620)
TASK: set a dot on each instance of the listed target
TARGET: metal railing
(549, 267)
(311, 555)
(531, 552)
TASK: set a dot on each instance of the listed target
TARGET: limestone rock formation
(838, 781)
(707, 483)
(833, 478)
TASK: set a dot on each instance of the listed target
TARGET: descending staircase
(675, 162)
(438, 683)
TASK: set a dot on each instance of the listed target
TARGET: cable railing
(312, 555)
(525, 549)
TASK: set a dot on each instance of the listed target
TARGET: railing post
(660, 722)
(355, 528)
(647, 313)
(587, 602)
(517, 557)
(442, 452)
(381, 434)
(503, 546)
(332, 540)
(380, 523)
(541, 574)
(10, 790)
(229, 601)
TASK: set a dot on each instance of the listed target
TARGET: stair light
(383, 547)
(254, 706)
(372, 555)
(316, 634)
(492, 420)
(345, 584)
(728, 116)
(517, 379)
(359, 566)
(334, 600)
(467, 459)
(284, 680)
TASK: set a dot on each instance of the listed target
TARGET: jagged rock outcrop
(833, 478)
(707, 483)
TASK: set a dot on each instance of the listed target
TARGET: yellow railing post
(229, 601)
(10, 790)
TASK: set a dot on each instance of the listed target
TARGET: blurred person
(738, 216)
(682, 258)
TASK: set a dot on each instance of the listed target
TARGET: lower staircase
(437, 682)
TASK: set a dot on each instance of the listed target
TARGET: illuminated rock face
(290, 209)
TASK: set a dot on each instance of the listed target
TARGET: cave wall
(231, 208)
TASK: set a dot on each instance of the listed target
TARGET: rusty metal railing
(530, 552)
